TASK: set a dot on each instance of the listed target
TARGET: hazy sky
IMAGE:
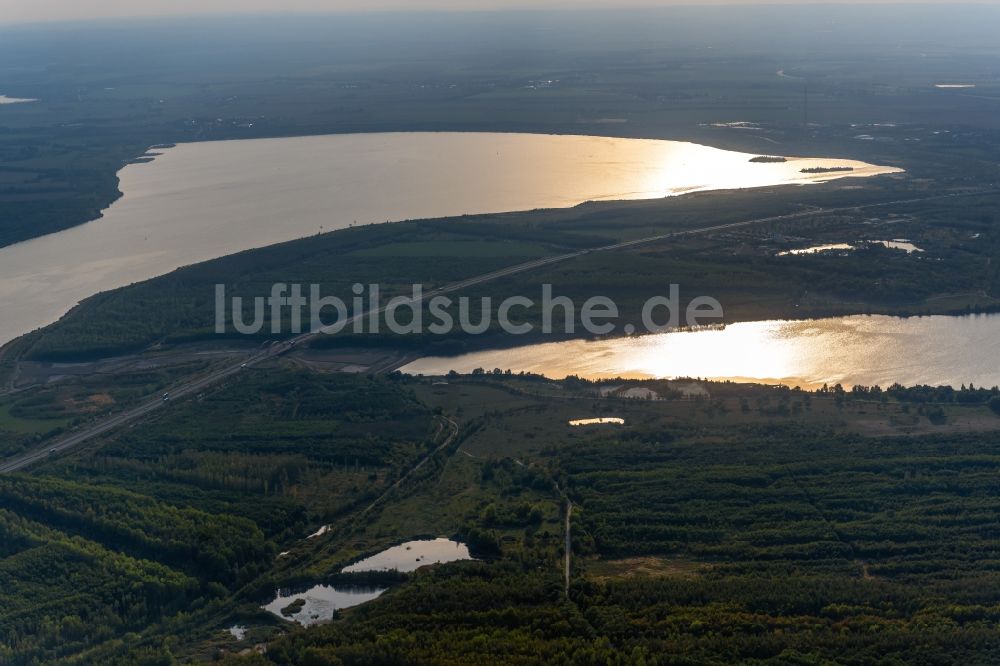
(23, 11)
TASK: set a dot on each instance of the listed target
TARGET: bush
(994, 404)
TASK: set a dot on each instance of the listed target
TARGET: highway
(196, 385)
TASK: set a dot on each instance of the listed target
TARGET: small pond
(318, 603)
(598, 421)
(412, 555)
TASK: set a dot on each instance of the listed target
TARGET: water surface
(598, 421)
(864, 350)
(199, 201)
(15, 100)
(818, 249)
(895, 244)
(321, 601)
(412, 555)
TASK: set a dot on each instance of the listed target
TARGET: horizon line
(598, 6)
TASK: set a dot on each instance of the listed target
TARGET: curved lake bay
(199, 201)
(865, 350)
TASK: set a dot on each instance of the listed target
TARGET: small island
(293, 608)
(768, 159)
(827, 169)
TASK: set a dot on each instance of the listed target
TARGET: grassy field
(22, 426)
(511, 250)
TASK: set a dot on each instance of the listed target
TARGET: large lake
(864, 350)
(198, 201)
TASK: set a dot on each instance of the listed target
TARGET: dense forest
(778, 542)
(758, 525)
(154, 530)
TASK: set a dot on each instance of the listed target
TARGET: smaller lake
(895, 244)
(320, 602)
(818, 249)
(320, 532)
(865, 350)
(15, 100)
(412, 555)
(597, 421)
